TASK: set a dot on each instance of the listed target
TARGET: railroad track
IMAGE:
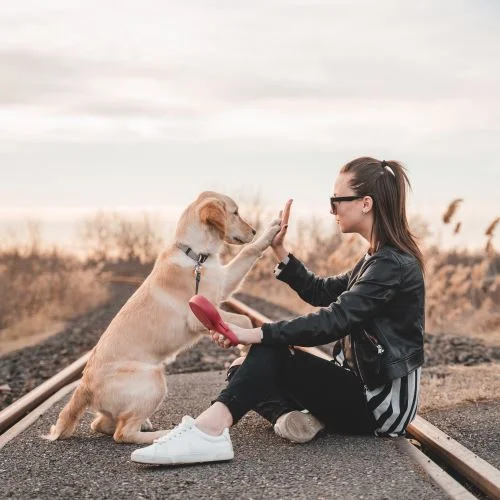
(474, 474)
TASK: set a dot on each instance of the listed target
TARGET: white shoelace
(176, 431)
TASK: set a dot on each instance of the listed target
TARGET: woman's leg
(291, 379)
(257, 381)
(290, 420)
(275, 405)
(254, 382)
(335, 395)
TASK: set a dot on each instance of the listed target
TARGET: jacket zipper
(378, 346)
(353, 348)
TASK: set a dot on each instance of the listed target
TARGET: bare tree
(112, 236)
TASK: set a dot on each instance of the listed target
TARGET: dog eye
(236, 213)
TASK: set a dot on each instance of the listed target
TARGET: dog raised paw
(266, 238)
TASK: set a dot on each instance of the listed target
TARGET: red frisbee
(206, 312)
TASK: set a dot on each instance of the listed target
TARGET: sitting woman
(375, 312)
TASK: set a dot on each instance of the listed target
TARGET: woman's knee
(256, 350)
(238, 361)
(235, 365)
(258, 358)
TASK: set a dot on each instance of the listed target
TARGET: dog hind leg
(103, 424)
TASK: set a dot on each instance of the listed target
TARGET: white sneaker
(186, 444)
(298, 426)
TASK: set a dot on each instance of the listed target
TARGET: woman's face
(349, 214)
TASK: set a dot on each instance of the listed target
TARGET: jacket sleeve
(371, 291)
(312, 289)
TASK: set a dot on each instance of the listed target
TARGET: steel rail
(17, 410)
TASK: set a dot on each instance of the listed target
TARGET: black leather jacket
(379, 303)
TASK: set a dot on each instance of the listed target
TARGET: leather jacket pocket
(374, 342)
(368, 354)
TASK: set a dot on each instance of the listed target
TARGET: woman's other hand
(245, 336)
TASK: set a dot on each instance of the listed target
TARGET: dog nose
(254, 232)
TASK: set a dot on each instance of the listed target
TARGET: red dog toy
(206, 312)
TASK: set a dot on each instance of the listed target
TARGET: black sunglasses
(334, 199)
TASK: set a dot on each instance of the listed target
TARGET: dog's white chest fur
(176, 301)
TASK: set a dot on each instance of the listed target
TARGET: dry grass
(33, 300)
(39, 286)
(111, 236)
(451, 210)
(41, 289)
(490, 231)
(446, 386)
(491, 228)
(463, 293)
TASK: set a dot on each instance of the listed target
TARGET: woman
(375, 312)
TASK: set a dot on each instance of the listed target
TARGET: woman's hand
(278, 241)
(245, 336)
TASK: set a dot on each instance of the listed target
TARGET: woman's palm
(279, 239)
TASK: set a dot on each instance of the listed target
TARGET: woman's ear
(367, 204)
(213, 213)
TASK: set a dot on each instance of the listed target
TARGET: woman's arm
(377, 285)
(245, 336)
(312, 289)
(372, 290)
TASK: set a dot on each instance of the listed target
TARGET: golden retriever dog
(124, 380)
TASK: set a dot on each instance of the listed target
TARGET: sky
(142, 105)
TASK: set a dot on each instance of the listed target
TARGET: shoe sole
(183, 459)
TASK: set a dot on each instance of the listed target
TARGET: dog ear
(213, 213)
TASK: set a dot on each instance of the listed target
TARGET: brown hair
(385, 182)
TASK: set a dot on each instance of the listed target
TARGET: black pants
(274, 380)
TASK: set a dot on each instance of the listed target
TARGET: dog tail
(70, 415)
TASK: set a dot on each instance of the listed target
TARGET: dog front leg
(238, 268)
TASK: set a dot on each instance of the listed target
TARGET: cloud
(190, 69)
(30, 78)
(134, 109)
